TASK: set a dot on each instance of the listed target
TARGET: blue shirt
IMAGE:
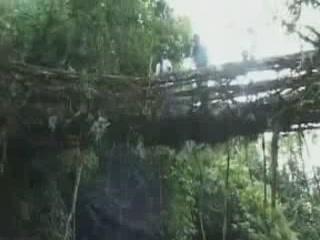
(199, 55)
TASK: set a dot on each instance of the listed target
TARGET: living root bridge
(37, 102)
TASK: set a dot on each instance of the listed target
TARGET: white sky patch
(310, 150)
(230, 26)
(227, 27)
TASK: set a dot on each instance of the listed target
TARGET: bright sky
(227, 27)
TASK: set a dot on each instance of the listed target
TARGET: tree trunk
(316, 179)
(274, 165)
(74, 234)
(203, 232)
(265, 201)
(150, 68)
(74, 199)
(160, 185)
(226, 199)
(4, 155)
(247, 161)
(301, 143)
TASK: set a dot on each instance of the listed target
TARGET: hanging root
(4, 143)
(274, 164)
(265, 200)
(226, 197)
(74, 200)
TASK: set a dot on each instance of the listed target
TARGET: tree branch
(307, 39)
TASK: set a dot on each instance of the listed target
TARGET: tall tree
(105, 36)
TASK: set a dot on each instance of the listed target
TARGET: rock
(123, 204)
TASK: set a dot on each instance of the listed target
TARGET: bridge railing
(225, 87)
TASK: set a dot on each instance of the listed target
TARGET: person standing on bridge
(200, 59)
(164, 65)
(199, 53)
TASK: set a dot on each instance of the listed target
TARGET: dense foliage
(104, 36)
(189, 185)
(203, 192)
(197, 184)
